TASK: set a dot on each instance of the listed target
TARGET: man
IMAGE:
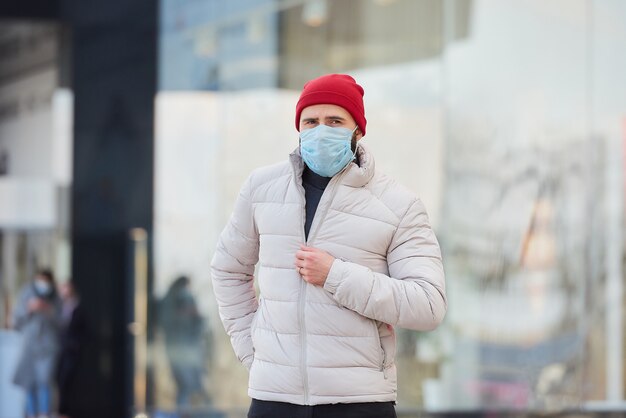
(74, 333)
(345, 254)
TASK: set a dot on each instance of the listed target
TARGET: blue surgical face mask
(43, 287)
(325, 150)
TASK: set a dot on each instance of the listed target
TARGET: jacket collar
(353, 175)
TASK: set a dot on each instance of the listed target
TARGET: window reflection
(483, 108)
(187, 343)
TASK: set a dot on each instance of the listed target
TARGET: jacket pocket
(381, 349)
(387, 344)
(253, 324)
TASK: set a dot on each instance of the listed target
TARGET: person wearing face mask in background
(345, 255)
(37, 316)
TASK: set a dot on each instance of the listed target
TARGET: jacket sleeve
(232, 271)
(413, 296)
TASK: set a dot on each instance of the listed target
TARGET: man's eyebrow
(309, 119)
(335, 118)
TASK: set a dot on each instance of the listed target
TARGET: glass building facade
(507, 118)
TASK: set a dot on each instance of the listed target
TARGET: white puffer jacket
(310, 345)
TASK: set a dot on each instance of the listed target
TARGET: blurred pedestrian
(37, 316)
(182, 326)
(73, 335)
(345, 254)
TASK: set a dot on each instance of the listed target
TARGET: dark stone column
(114, 47)
(30, 9)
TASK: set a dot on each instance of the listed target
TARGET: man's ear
(358, 133)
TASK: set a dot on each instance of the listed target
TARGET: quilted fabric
(307, 344)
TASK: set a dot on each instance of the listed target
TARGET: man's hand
(313, 264)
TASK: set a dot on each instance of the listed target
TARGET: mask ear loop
(356, 143)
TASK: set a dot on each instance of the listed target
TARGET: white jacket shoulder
(392, 194)
(263, 177)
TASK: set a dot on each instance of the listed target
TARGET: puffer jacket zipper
(303, 370)
(333, 185)
(301, 303)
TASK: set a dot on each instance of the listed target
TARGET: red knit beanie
(336, 89)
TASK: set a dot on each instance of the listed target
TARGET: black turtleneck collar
(314, 186)
(310, 178)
